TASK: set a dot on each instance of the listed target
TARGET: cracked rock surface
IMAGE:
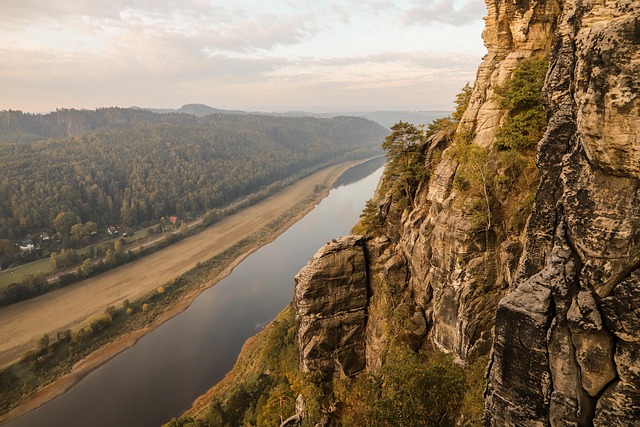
(567, 339)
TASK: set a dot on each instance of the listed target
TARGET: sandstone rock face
(388, 267)
(454, 276)
(582, 244)
(514, 30)
(434, 270)
(563, 298)
(620, 402)
(607, 84)
(331, 298)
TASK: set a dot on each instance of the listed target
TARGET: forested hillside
(16, 126)
(139, 166)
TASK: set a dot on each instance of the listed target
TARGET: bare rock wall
(584, 230)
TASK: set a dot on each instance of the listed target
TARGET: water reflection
(360, 172)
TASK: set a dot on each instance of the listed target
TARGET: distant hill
(389, 118)
(16, 126)
(201, 110)
(19, 126)
(384, 118)
(198, 110)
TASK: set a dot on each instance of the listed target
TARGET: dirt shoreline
(103, 355)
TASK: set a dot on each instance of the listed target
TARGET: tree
(405, 166)
(403, 137)
(54, 261)
(409, 390)
(64, 221)
(87, 267)
(78, 233)
(6, 248)
(81, 232)
(522, 97)
(524, 90)
(370, 223)
(462, 102)
(475, 179)
(90, 227)
(66, 258)
(279, 405)
(43, 342)
(110, 257)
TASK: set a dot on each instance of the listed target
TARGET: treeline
(135, 176)
(16, 126)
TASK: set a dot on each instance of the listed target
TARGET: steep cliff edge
(567, 339)
(331, 308)
(452, 259)
(448, 253)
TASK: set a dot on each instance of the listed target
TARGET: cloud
(232, 27)
(146, 52)
(445, 12)
(34, 10)
(223, 29)
(142, 37)
(411, 59)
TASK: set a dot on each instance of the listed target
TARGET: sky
(269, 55)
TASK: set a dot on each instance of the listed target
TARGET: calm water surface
(159, 377)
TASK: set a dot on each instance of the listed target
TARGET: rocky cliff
(567, 338)
(331, 307)
(556, 300)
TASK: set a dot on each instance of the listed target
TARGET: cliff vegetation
(264, 385)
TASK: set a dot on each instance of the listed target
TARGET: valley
(184, 356)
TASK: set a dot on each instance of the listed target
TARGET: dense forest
(16, 126)
(131, 167)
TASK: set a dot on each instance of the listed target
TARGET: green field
(18, 274)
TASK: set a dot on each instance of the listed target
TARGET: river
(161, 375)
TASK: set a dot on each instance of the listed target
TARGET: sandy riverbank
(22, 323)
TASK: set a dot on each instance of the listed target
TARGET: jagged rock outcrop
(514, 30)
(456, 275)
(568, 356)
(331, 299)
(444, 277)
(559, 304)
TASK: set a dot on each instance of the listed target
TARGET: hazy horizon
(280, 111)
(274, 56)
